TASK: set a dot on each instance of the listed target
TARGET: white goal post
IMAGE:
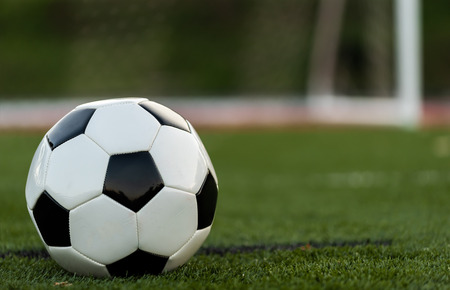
(408, 55)
(404, 108)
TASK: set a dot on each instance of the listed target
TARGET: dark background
(56, 48)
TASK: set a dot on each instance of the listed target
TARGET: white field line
(231, 112)
(237, 112)
(33, 115)
(361, 179)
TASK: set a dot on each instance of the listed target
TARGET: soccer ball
(121, 187)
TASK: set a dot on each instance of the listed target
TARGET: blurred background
(278, 51)
(290, 76)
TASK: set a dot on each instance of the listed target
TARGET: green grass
(278, 188)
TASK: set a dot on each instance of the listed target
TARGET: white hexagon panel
(30, 212)
(37, 173)
(188, 249)
(122, 128)
(73, 261)
(118, 101)
(76, 171)
(204, 152)
(103, 230)
(167, 221)
(179, 160)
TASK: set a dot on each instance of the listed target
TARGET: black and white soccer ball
(122, 187)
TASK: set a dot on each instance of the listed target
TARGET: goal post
(408, 58)
(402, 108)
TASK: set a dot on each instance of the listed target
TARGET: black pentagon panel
(52, 220)
(137, 264)
(165, 116)
(206, 202)
(132, 179)
(72, 125)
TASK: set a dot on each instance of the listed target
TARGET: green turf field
(323, 208)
